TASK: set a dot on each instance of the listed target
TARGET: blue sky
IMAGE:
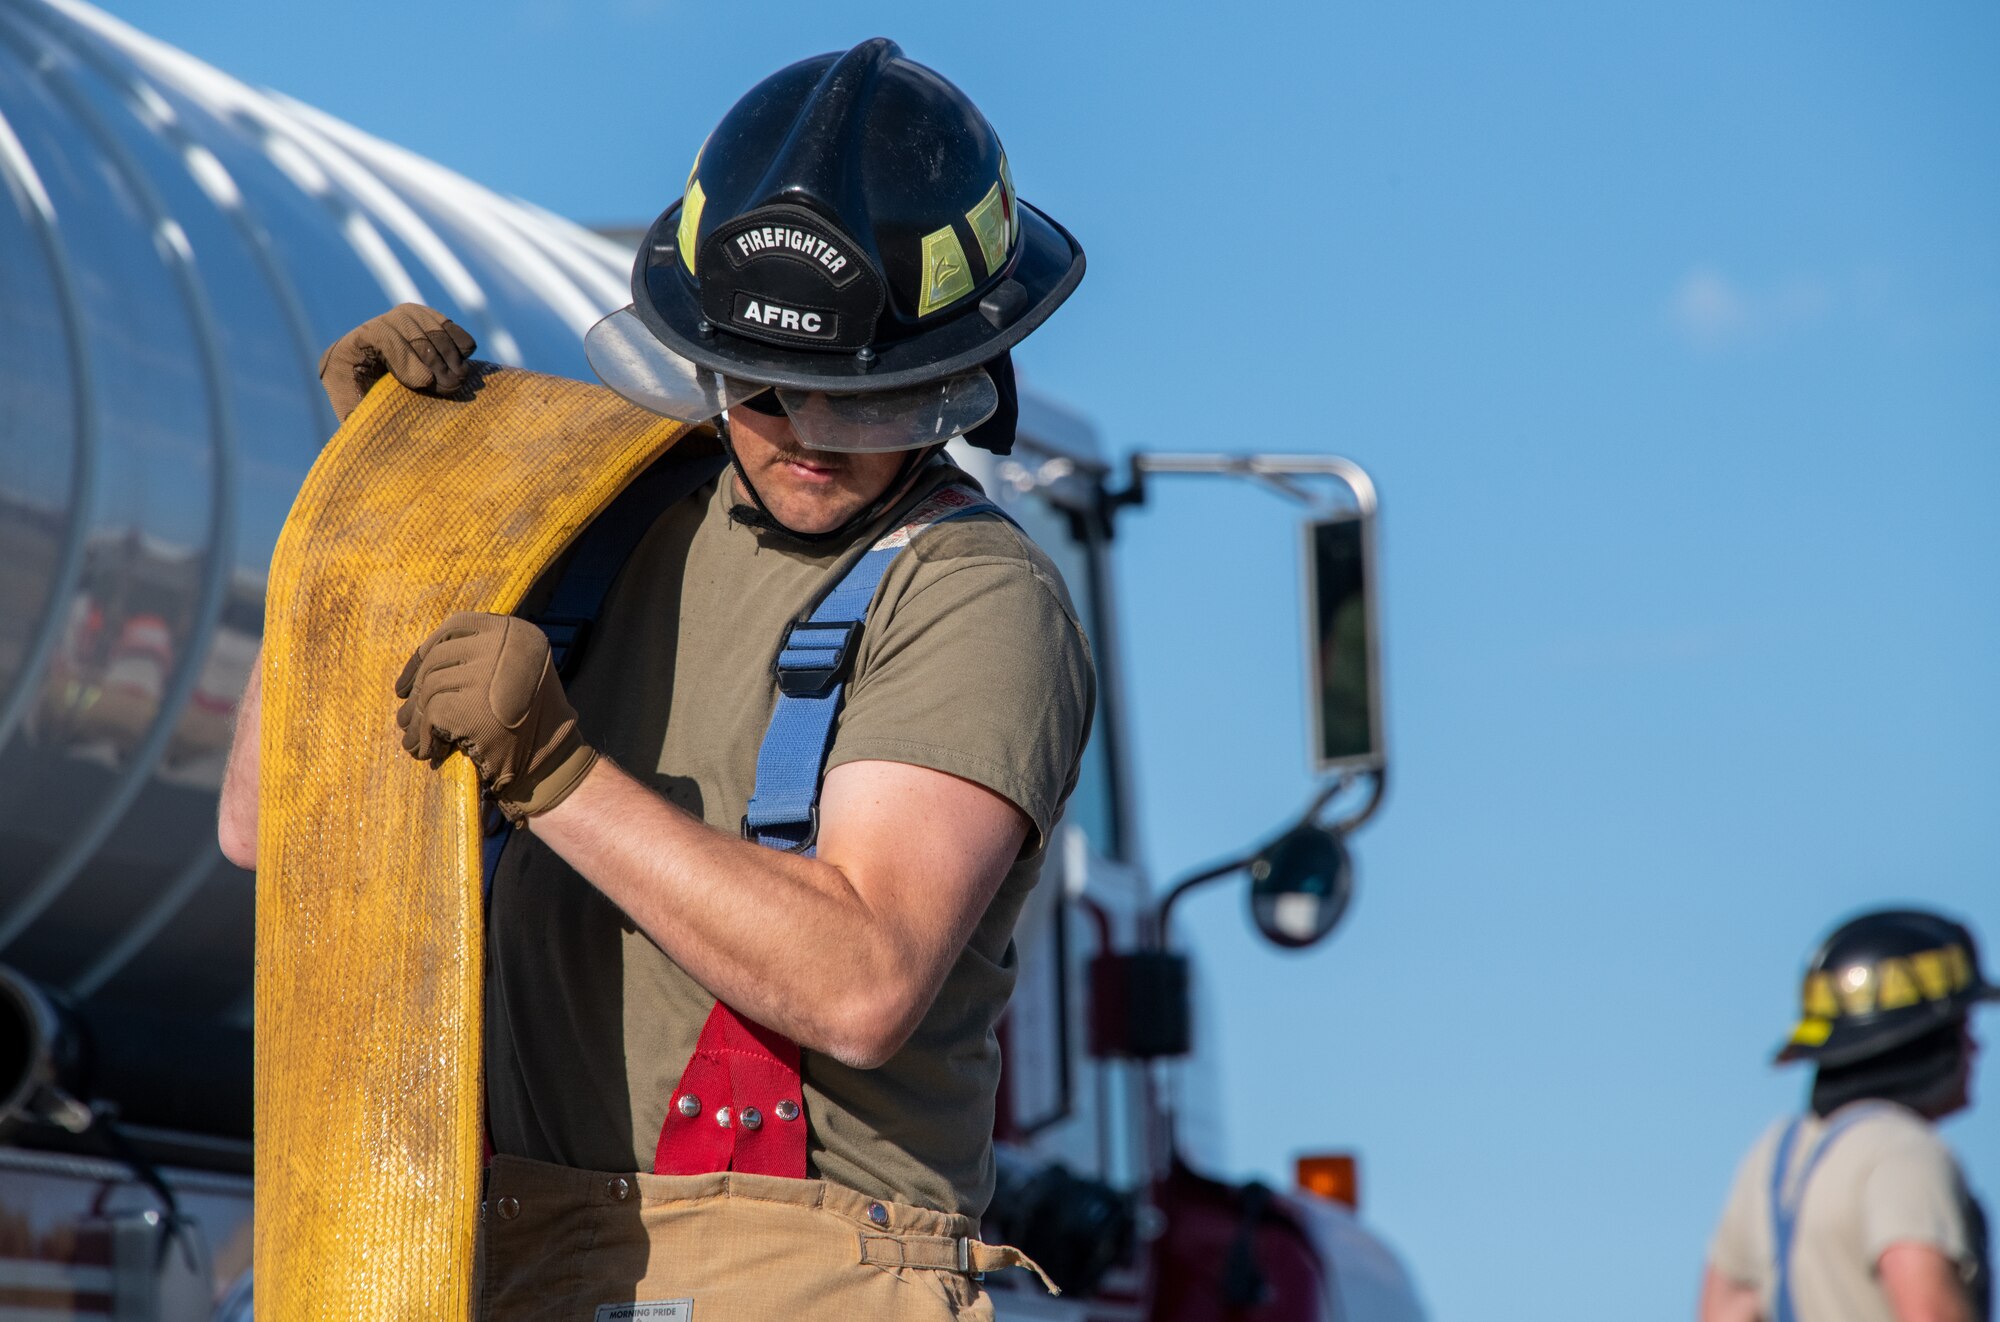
(1670, 335)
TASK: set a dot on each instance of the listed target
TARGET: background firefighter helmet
(1883, 979)
(850, 227)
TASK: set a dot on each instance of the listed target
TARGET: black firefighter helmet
(1883, 979)
(850, 232)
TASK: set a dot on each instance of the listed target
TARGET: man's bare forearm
(792, 942)
(1725, 1300)
(236, 814)
(1921, 1284)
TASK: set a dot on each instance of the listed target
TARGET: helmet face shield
(906, 419)
(630, 359)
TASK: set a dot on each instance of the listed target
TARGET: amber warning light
(1334, 1176)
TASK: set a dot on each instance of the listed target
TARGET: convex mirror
(1300, 886)
(1341, 660)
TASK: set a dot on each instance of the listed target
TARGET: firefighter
(1857, 1211)
(746, 957)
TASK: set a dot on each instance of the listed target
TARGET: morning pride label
(653, 1310)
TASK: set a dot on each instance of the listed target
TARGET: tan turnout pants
(562, 1245)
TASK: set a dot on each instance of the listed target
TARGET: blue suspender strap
(1788, 1195)
(814, 660)
(1783, 1215)
(605, 546)
(601, 551)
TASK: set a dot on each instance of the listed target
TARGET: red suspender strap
(739, 1106)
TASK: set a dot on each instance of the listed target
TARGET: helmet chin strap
(758, 515)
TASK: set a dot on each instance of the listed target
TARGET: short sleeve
(1914, 1195)
(1740, 1248)
(980, 670)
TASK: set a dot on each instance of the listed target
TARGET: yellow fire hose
(369, 1092)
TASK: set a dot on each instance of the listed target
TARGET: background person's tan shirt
(973, 663)
(1887, 1179)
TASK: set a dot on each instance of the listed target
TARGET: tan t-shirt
(1887, 1179)
(972, 663)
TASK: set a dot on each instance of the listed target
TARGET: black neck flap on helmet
(1926, 1074)
(1884, 979)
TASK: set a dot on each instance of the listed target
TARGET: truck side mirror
(1341, 654)
(1300, 886)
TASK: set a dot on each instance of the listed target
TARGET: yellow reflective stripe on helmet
(1899, 986)
(1894, 983)
(691, 220)
(1812, 1032)
(989, 226)
(947, 273)
(1856, 986)
(1933, 973)
(1961, 967)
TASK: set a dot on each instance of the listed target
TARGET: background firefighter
(1857, 1209)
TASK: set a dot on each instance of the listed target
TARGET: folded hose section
(369, 960)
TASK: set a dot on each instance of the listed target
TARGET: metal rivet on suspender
(509, 1208)
(619, 1187)
(722, 1116)
(788, 1109)
(878, 1214)
(689, 1105)
(752, 1118)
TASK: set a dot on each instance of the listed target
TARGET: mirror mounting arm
(1155, 937)
(1378, 779)
(1274, 472)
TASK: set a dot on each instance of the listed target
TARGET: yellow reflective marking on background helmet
(1819, 1000)
(947, 273)
(989, 226)
(1899, 988)
(1856, 985)
(1812, 1032)
(691, 220)
(1933, 973)
(1961, 967)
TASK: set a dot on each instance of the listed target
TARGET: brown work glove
(486, 686)
(425, 349)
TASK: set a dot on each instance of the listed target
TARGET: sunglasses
(765, 402)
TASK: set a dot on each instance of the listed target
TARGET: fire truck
(175, 250)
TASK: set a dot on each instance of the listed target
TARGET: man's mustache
(827, 459)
